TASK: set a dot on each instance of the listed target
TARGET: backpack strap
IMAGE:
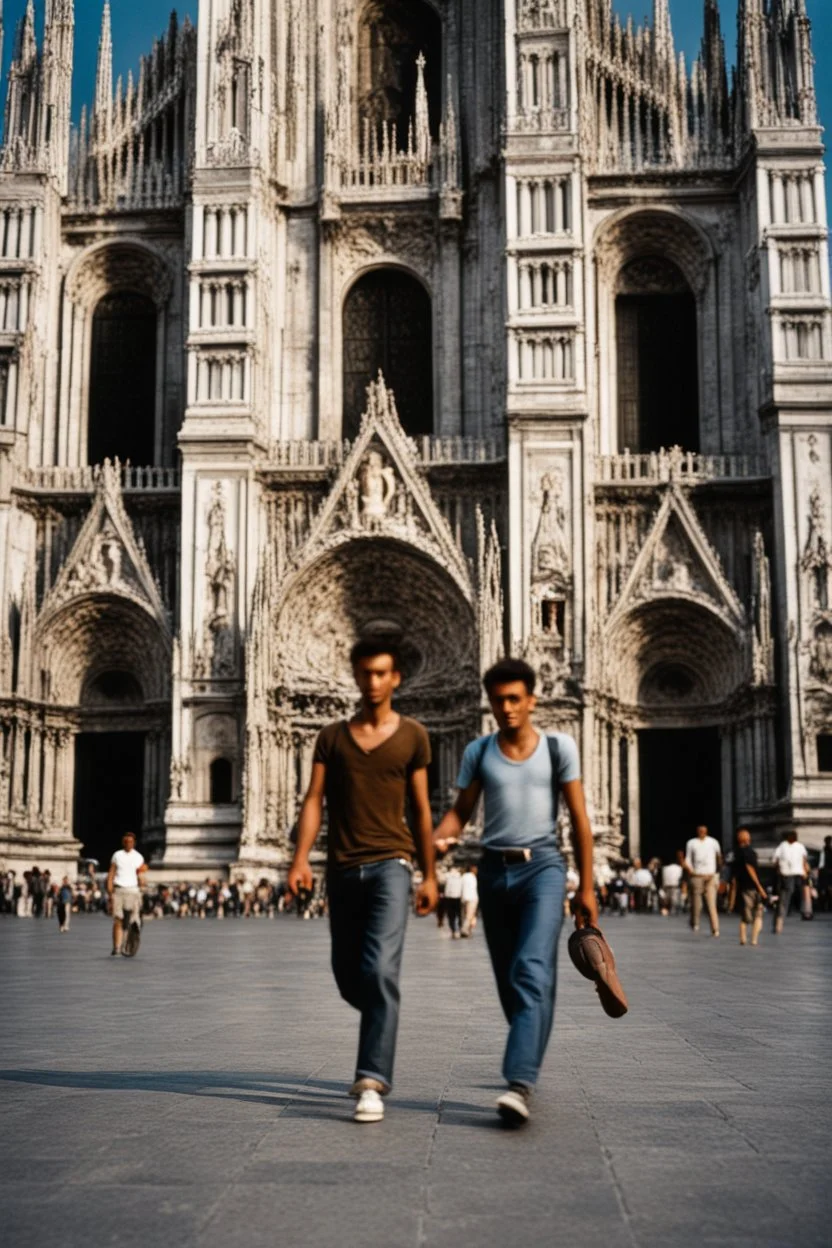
(554, 758)
(482, 746)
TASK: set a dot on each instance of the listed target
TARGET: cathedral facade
(487, 323)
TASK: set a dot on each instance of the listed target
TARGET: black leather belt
(512, 855)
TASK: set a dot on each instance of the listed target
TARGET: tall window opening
(658, 368)
(391, 36)
(122, 379)
(220, 781)
(387, 326)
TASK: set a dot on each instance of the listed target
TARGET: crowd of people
(632, 887)
(34, 894)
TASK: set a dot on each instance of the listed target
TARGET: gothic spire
(662, 30)
(104, 68)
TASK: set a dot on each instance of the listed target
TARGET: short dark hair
(507, 671)
(370, 647)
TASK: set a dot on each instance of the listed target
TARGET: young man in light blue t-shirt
(521, 773)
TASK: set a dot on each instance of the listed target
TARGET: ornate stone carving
(126, 264)
(678, 561)
(650, 233)
(381, 490)
(820, 663)
(551, 561)
(107, 557)
(816, 560)
(489, 593)
(763, 641)
(219, 563)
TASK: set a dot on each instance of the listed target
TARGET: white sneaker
(513, 1106)
(370, 1107)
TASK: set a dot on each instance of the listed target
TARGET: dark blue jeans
(368, 909)
(522, 911)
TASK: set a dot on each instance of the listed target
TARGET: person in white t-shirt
(470, 898)
(703, 858)
(127, 867)
(671, 900)
(792, 864)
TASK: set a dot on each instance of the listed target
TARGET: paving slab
(195, 1095)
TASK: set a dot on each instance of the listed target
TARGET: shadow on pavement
(264, 1089)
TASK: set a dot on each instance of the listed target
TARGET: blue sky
(136, 25)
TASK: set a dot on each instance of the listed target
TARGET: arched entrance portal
(108, 663)
(374, 585)
(677, 665)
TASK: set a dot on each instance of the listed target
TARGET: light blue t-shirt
(520, 807)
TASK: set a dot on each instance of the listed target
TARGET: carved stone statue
(817, 559)
(550, 552)
(378, 489)
(219, 564)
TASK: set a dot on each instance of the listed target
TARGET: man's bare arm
(755, 880)
(428, 893)
(582, 844)
(111, 878)
(452, 825)
(309, 825)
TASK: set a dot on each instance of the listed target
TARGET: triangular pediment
(678, 562)
(381, 491)
(107, 558)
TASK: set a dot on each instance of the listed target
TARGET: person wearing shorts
(127, 867)
(747, 881)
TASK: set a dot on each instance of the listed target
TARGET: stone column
(633, 795)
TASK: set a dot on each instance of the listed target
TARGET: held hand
(299, 877)
(444, 843)
(427, 896)
(585, 908)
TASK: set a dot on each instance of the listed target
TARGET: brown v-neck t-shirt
(366, 792)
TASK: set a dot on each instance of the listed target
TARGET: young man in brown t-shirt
(365, 768)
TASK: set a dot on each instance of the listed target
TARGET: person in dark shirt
(747, 883)
(365, 769)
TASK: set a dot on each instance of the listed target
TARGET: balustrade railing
(85, 477)
(675, 464)
(432, 451)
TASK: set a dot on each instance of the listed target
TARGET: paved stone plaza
(195, 1096)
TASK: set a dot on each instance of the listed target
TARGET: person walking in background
(470, 901)
(792, 864)
(365, 768)
(64, 906)
(671, 893)
(746, 882)
(641, 882)
(703, 858)
(522, 773)
(127, 867)
(453, 900)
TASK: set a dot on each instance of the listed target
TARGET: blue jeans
(368, 909)
(522, 911)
